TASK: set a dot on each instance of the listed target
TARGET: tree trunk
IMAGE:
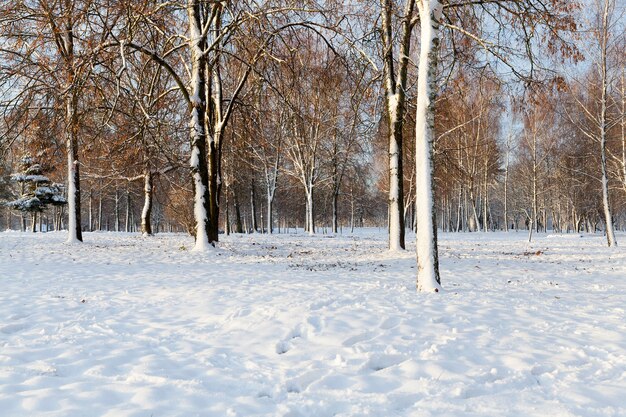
(608, 219)
(238, 225)
(428, 278)
(146, 212)
(475, 222)
(623, 126)
(227, 211)
(486, 196)
(198, 160)
(395, 100)
(128, 211)
(253, 206)
(506, 190)
(270, 219)
(117, 210)
(100, 210)
(214, 189)
(91, 216)
(351, 210)
(75, 233)
(310, 220)
(335, 225)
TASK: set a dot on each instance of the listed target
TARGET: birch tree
(395, 74)
(523, 18)
(596, 110)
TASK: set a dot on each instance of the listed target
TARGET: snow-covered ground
(292, 325)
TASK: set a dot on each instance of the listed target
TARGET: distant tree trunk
(262, 220)
(506, 190)
(475, 222)
(310, 211)
(128, 211)
(238, 225)
(351, 210)
(117, 210)
(100, 210)
(623, 126)
(214, 190)
(270, 220)
(33, 222)
(91, 216)
(227, 209)
(146, 212)
(459, 212)
(335, 225)
(253, 206)
(486, 195)
(608, 218)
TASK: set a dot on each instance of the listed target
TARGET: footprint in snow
(304, 330)
(363, 337)
(378, 362)
(283, 347)
(390, 323)
(302, 382)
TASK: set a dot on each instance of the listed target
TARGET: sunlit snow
(292, 325)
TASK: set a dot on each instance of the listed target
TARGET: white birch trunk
(117, 210)
(100, 210)
(427, 257)
(310, 220)
(608, 218)
(74, 231)
(270, 219)
(146, 226)
(128, 210)
(395, 220)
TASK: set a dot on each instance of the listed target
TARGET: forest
(313, 208)
(220, 117)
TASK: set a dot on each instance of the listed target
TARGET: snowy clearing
(292, 325)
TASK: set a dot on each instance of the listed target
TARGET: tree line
(224, 116)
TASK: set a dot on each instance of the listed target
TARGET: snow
(292, 325)
(199, 210)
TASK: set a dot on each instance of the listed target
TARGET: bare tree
(49, 51)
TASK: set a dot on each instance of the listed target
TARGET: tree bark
(117, 210)
(428, 278)
(198, 161)
(128, 211)
(146, 212)
(75, 233)
(253, 206)
(608, 218)
(395, 93)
